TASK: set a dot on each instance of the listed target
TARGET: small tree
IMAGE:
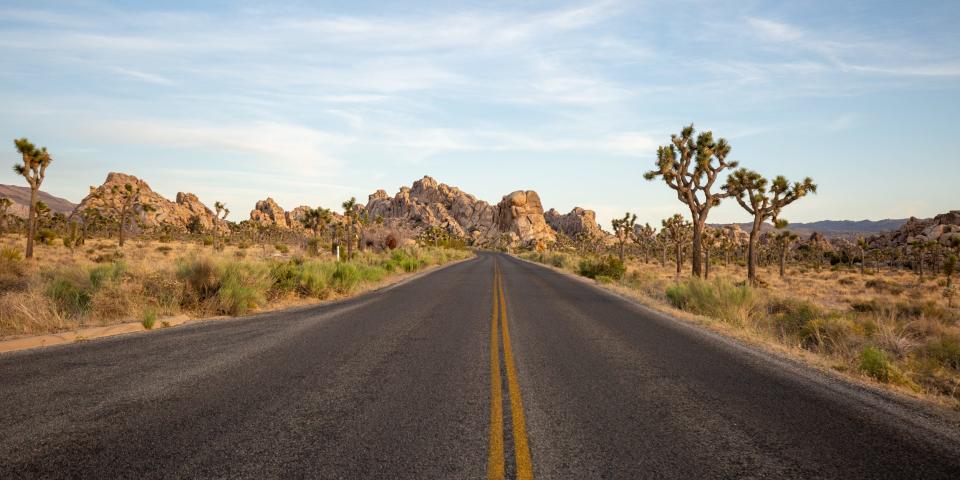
(678, 232)
(623, 228)
(862, 248)
(645, 237)
(5, 204)
(691, 168)
(783, 240)
(712, 238)
(221, 213)
(750, 190)
(350, 215)
(120, 202)
(33, 170)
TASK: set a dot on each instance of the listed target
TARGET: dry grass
(99, 284)
(885, 328)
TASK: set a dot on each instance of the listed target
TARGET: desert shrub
(200, 279)
(718, 298)
(883, 286)
(108, 257)
(10, 254)
(207, 240)
(46, 236)
(314, 280)
(102, 274)
(69, 293)
(163, 290)
(789, 315)
(243, 245)
(826, 334)
(847, 281)
(608, 266)
(313, 246)
(243, 287)
(874, 363)
(282, 248)
(165, 249)
(149, 318)
(345, 278)
(946, 351)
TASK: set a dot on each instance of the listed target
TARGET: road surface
(491, 367)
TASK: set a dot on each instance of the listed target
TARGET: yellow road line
(520, 445)
(495, 467)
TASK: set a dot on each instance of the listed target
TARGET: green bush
(102, 274)
(282, 248)
(10, 254)
(149, 318)
(69, 295)
(200, 278)
(874, 363)
(207, 240)
(717, 298)
(608, 266)
(46, 236)
(825, 334)
(789, 316)
(243, 287)
(345, 278)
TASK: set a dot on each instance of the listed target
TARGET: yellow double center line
(521, 449)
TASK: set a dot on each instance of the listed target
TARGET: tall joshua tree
(691, 168)
(350, 215)
(862, 247)
(623, 228)
(33, 169)
(221, 213)
(678, 231)
(121, 202)
(750, 190)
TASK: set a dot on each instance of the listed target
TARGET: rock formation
(520, 216)
(577, 222)
(268, 213)
(163, 212)
(941, 228)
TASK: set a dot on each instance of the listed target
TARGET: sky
(315, 102)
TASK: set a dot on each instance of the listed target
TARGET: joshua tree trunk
(350, 240)
(783, 260)
(679, 259)
(31, 222)
(706, 264)
(863, 261)
(698, 224)
(752, 251)
(123, 218)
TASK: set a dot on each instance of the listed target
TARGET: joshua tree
(316, 220)
(691, 167)
(33, 169)
(5, 204)
(645, 238)
(350, 214)
(362, 219)
(750, 190)
(121, 202)
(783, 240)
(711, 239)
(623, 228)
(221, 213)
(678, 231)
(862, 248)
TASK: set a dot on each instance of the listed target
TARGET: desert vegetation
(875, 309)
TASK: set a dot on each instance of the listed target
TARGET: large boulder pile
(520, 216)
(176, 214)
(941, 228)
(518, 219)
(579, 222)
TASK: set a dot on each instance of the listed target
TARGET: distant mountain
(839, 228)
(21, 200)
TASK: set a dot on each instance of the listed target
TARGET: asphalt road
(401, 383)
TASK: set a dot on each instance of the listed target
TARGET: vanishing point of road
(489, 368)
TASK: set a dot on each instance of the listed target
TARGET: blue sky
(312, 103)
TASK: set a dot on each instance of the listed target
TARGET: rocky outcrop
(579, 222)
(819, 242)
(520, 216)
(941, 228)
(735, 235)
(267, 213)
(162, 212)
